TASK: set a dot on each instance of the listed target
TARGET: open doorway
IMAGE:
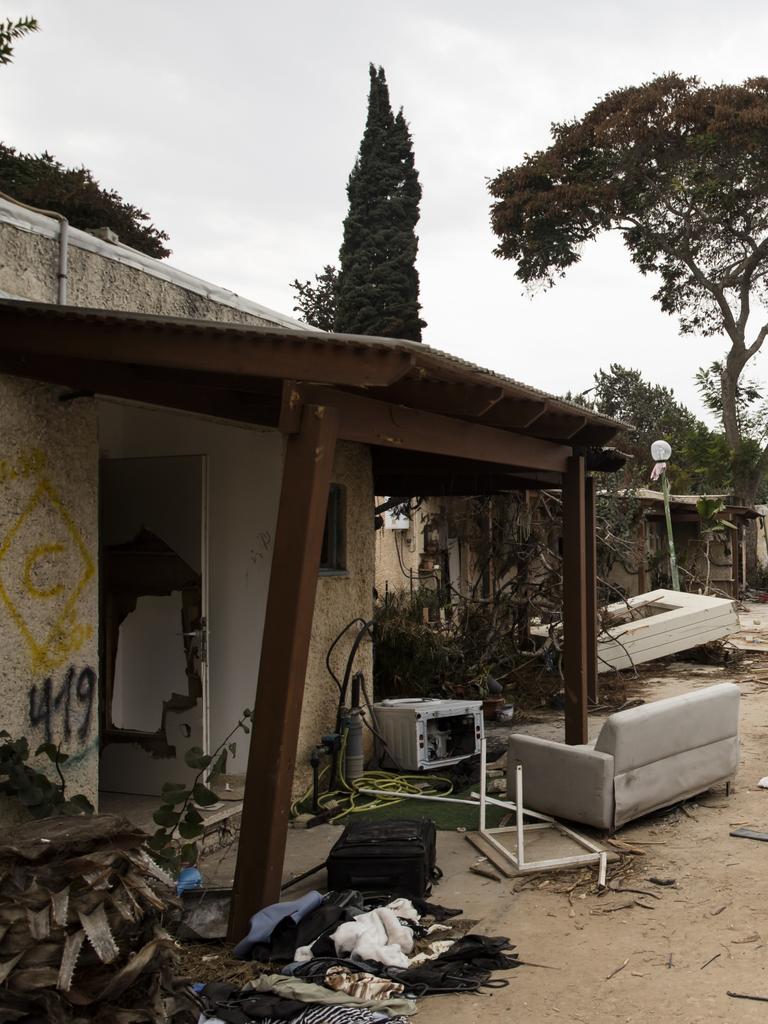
(154, 618)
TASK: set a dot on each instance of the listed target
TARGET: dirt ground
(716, 909)
(703, 937)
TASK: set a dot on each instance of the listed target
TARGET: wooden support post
(287, 630)
(574, 600)
(591, 589)
(642, 573)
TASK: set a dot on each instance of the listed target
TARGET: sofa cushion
(642, 790)
(665, 728)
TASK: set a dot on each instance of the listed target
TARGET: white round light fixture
(661, 451)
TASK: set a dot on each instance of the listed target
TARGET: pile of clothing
(345, 960)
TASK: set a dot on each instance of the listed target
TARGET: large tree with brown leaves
(680, 170)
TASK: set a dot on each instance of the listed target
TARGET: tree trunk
(746, 478)
(729, 382)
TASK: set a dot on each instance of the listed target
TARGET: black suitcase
(393, 857)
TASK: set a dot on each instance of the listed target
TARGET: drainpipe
(61, 288)
(62, 271)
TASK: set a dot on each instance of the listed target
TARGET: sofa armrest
(574, 783)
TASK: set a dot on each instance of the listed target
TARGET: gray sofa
(644, 758)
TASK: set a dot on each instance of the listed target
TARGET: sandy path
(718, 907)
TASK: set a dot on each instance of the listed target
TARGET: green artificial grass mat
(447, 817)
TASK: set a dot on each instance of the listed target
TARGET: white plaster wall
(244, 478)
(48, 576)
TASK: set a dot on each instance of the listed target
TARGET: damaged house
(711, 561)
(186, 515)
(137, 538)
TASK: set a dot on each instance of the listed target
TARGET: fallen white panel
(659, 623)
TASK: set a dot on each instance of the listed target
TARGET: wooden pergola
(436, 424)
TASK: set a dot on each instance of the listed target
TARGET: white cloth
(404, 909)
(377, 935)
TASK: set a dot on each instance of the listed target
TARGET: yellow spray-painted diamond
(44, 568)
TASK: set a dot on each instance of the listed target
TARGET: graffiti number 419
(73, 700)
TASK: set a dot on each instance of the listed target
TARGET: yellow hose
(401, 786)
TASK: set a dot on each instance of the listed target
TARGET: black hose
(332, 647)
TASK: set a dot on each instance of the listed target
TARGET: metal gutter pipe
(62, 271)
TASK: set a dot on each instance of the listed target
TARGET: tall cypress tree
(378, 286)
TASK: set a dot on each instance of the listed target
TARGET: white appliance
(423, 734)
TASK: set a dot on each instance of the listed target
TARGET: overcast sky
(236, 125)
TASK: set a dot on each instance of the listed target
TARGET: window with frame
(333, 557)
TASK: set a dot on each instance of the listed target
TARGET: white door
(154, 620)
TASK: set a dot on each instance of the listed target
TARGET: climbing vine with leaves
(41, 797)
(180, 822)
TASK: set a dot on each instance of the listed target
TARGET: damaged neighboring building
(136, 540)
(448, 543)
(715, 563)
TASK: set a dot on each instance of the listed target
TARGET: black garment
(237, 1006)
(465, 967)
(322, 921)
(481, 951)
(435, 911)
(316, 969)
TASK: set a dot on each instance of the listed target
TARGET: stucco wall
(29, 262)
(340, 599)
(398, 552)
(48, 575)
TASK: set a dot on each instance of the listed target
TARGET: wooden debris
(93, 950)
(484, 872)
(637, 892)
(616, 971)
(743, 995)
(711, 960)
(617, 844)
(496, 859)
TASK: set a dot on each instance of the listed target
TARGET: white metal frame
(594, 854)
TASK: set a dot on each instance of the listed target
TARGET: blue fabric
(189, 878)
(265, 921)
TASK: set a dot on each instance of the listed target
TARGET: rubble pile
(80, 927)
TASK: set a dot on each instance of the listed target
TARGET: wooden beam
(560, 425)
(516, 413)
(282, 668)
(575, 601)
(395, 462)
(594, 434)
(591, 587)
(448, 398)
(147, 384)
(395, 426)
(189, 345)
(454, 486)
